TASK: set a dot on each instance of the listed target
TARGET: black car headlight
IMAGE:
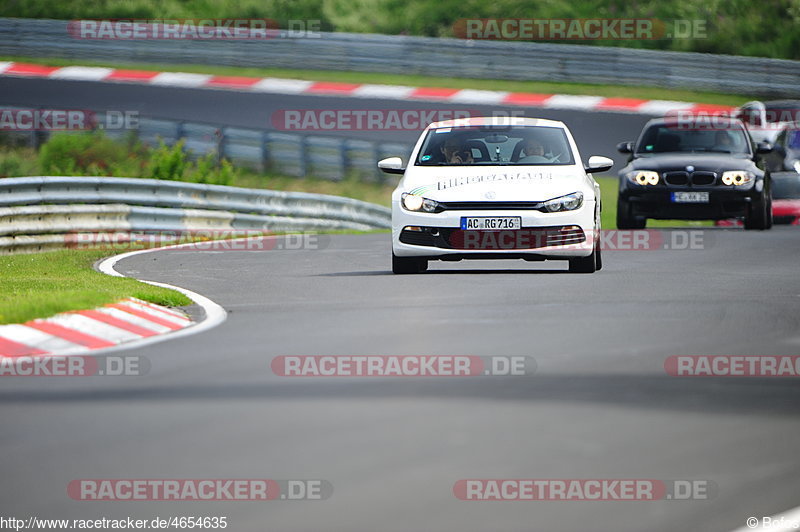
(643, 177)
(737, 177)
(416, 203)
(570, 202)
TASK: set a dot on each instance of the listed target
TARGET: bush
(168, 162)
(91, 154)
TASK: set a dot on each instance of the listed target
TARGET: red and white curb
(126, 324)
(356, 90)
(82, 331)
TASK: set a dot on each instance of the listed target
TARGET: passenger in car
(455, 152)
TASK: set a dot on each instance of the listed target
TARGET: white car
(496, 188)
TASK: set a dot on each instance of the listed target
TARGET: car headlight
(737, 177)
(570, 202)
(416, 203)
(643, 177)
(796, 166)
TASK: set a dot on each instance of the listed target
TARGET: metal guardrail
(37, 213)
(288, 154)
(423, 55)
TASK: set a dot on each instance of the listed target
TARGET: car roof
(671, 120)
(497, 121)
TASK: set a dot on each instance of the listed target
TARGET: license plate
(491, 223)
(690, 197)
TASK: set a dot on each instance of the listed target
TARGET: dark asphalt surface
(595, 133)
(599, 406)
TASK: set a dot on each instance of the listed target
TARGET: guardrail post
(305, 160)
(265, 152)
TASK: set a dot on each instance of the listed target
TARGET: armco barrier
(423, 55)
(37, 212)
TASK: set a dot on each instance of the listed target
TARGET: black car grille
(676, 178)
(699, 179)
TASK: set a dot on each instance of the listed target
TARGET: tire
(758, 216)
(598, 259)
(405, 265)
(625, 217)
(584, 264)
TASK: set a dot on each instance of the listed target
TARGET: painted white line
(215, 314)
(788, 520)
(38, 339)
(5, 65)
(570, 101)
(155, 313)
(281, 86)
(391, 92)
(82, 73)
(479, 97)
(133, 319)
(180, 79)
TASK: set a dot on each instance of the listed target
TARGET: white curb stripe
(479, 96)
(392, 92)
(133, 320)
(5, 65)
(155, 313)
(661, 107)
(82, 73)
(282, 86)
(159, 308)
(180, 79)
(37, 339)
(94, 327)
(570, 101)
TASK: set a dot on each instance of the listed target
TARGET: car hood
(496, 183)
(707, 162)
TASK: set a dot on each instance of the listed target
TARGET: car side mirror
(764, 147)
(598, 163)
(625, 147)
(392, 165)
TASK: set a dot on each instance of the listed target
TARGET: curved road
(599, 405)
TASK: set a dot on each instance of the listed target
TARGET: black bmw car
(708, 171)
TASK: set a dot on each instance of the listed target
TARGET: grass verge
(42, 284)
(535, 86)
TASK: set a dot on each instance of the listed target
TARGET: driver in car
(455, 152)
(532, 147)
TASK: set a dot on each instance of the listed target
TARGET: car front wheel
(625, 217)
(759, 215)
(585, 264)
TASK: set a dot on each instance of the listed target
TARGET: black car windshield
(671, 138)
(495, 145)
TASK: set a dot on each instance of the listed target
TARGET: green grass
(42, 284)
(542, 87)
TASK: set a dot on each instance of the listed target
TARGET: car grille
(676, 178)
(525, 238)
(699, 179)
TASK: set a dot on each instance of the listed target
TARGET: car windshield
(786, 187)
(671, 138)
(495, 145)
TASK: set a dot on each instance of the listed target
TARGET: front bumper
(658, 204)
(562, 235)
